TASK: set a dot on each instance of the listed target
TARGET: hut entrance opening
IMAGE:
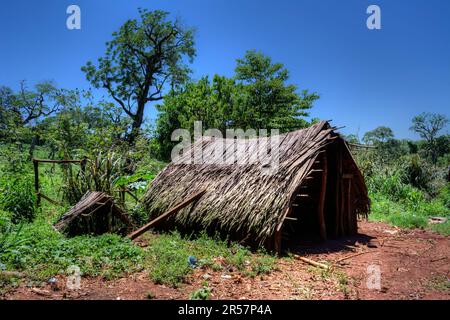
(322, 205)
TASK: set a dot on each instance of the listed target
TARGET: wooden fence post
(36, 182)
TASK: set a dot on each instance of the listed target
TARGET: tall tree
(256, 98)
(21, 112)
(27, 105)
(378, 135)
(428, 125)
(142, 59)
(272, 102)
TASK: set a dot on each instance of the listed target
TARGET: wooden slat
(349, 207)
(323, 190)
(40, 195)
(56, 161)
(162, 217)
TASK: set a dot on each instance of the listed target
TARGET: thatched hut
(316, 190)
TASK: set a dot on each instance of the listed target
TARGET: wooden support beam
(349, 207)
(165, 215)
(58, 161)
(277, 241)
(49, 199)
(336, 200)
(342, 208)
(323, 190)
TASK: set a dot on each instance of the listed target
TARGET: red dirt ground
(414, 264)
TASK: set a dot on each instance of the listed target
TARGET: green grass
(167, 257)
(204, 293)
(44, 253)
(412, 211)
(442, 228)
(440, 283)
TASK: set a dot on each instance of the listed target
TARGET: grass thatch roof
(241, 199)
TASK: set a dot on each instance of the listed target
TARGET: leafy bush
(19, 199)
(44, 253)
(417, 172)
(203, 293)
(444, 195)
(139, 215)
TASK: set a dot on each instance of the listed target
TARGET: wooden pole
(162, 217)
(312, 262)
(336, 194)
(277, 241)
(342, 209)
(323, 190)
(36, 182)
(349, 208)
(57, 161)
(341, 195)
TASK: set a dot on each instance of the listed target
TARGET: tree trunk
(136, 125)
(32, 147)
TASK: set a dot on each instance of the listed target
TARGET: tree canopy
(257, 97)
(143, 57)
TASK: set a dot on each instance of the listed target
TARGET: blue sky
(366, 78)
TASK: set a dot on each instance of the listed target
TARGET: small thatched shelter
(95, 213)
(316, 190)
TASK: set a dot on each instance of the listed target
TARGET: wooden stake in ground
(162, 217)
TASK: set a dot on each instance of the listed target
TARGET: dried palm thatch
(95, 213)
(242, 201)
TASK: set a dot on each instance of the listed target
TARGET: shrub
(444, 195)
(203, 293)
(19, 199)
(417, 172)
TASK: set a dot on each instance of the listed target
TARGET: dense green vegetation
(407, 180)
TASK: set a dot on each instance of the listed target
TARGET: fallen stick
(312, 262)
(160, 218)
(15, 274)
(41, 292)
(351, 256)
(438, 259)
